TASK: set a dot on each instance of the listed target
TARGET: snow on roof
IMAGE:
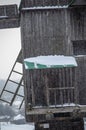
(41, 62)
(45, 7)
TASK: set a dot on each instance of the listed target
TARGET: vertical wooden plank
(47, 91)
(59, 85)
(32, 90)
(71, 82)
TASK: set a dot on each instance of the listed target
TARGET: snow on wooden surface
(50, 61)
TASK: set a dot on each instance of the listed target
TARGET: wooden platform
(40, 114)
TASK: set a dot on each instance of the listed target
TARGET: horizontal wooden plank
(40, 114)
(62, 88)
(9, 23)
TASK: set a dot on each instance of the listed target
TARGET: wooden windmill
(54, 27)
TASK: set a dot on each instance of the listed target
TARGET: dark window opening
(79, 47)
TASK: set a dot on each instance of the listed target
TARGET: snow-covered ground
(8, 126)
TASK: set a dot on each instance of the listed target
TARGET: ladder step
(4, 100)
(14, 93)
(15, 82)
(17, 72)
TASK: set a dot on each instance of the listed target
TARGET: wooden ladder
(18, 86)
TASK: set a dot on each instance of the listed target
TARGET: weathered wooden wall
(76, 31)
(52, 87)
(52, 32)
(42, 35)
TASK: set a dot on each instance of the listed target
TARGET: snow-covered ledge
(50, 61)
(44, 7)
(1, 17)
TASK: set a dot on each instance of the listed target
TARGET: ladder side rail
(16, 91)
(9, 75)
(7, 79)
(21, 103)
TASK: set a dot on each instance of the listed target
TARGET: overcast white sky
(10, 44)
